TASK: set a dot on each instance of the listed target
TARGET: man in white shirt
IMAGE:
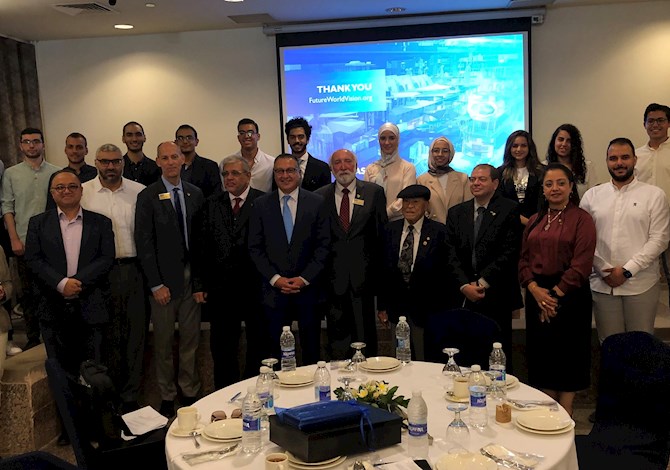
(633, 225)
(261, 163)
(113, 195)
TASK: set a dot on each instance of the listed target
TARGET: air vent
(74, 9)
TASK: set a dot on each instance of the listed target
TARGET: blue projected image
(472, 90)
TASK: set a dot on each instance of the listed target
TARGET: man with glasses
(136, 165)
(260, 162)
(289, 242)
(114, 196)
(202, 172)
(24, 194)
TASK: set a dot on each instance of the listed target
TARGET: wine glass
(451, 369)
(458, 434)
(270, 362)
(346, 380)
(497, 390)
(358, 357)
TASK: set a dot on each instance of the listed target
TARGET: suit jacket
(204, 173)
(221, 255)
(317, 174)
(423, 293)
(532, 198)
(45, 256)
(304, 256)
(458, 190)
(356, 257)
(496, 249)
(158, 240)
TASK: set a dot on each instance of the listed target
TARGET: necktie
(288, 218)
(180, 213)
(344, 210)
(236, 207)
(478, 223)
(407, 254)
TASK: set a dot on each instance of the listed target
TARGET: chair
(632, 428)
(471, 332)
(149, 447)
(35, 460)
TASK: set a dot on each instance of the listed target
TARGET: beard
(623, 178)
(345, 179)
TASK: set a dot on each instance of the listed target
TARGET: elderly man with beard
(357, 212)
(633, 226)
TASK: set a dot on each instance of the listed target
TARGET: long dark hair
(532, 161)
(577, 159)
(544, 204)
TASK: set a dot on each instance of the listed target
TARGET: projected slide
(472, 90)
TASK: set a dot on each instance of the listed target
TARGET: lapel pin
(493, 213)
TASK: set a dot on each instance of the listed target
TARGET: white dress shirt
(653, 166)
(261, 171)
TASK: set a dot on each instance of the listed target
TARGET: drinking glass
(497, 389)
(346, 380)
(358, 357)
(458, 434)
(451, 369)
(270, 362)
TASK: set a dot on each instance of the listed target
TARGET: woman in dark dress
(521, 173)
(556, 260)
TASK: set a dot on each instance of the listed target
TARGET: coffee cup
(188, 418)
(461, 386)
(276, 461)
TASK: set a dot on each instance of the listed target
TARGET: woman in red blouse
(556, 260)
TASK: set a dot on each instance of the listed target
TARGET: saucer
(179, 432)
(454, 399)
(295, 378)
(380, 363)
(543, 420)
(317, 465)
(294, 459)
(219, 441)
(379, 371)
(224, 429)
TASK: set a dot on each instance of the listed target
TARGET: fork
(552, 405)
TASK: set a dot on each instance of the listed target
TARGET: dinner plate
(319, 466)
(465, 461)
(296, 385)
(295, 377)
(179, 432)
(219, 441)
(224, 429)
(543, 420)
(454, 399)
(568, 428)
(294, 459)
(379, 371)
(381, 363)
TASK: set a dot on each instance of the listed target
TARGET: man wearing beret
(415, 262)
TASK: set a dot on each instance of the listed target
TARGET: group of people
(272, 240)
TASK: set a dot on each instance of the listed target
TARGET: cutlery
(533, 403)
(219, 452)
(234, 397)
(194, 435)
(378, 464)
(505, 463)
(358, 465)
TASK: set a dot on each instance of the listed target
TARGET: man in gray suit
(357, 213)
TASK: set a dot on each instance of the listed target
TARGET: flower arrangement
(378, 394)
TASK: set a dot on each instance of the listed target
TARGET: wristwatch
(627, 274)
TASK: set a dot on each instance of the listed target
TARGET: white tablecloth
(558, 450)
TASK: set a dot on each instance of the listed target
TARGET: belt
(125, 260)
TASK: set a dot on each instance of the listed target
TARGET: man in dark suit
(197, 170)
(70, 252)
(163, 220)
(484, 269)
(223, 273)
(315, 172)
(415, 258)
(289, 241)
(354, 267)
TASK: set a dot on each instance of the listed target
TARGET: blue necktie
(288, 218)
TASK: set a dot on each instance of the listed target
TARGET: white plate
(224, 429)
(465, 462)
(311, 382)
(570, 427)
(179, 432)
(307, 466)
(381, 363)
(294, 459)
(543, 420)
(295, 377)
(379, 371)
(511, 381)
(219, 441)
(454, 399)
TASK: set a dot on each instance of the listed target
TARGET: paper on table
(144, 420)
(404, 464)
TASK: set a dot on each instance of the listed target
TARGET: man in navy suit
(356, 257)
(414, 286)
(163, 220)
(315, 172)
(70, 251)
(289, 241)
(484, 271)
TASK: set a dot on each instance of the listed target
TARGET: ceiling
(41, 20)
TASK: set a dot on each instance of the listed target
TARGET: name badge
(359, 202)
(164, 196)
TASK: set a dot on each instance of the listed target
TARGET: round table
(558, 450)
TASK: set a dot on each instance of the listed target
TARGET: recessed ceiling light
(234, 1)
(395, 10)
(150, 5)
(124, 26)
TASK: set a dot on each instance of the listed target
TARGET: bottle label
(477, 401)
(417, 429)
(251, 424)
(501, 379)
(267, 399)
(323, 392)
(402, 343)
(288, 353)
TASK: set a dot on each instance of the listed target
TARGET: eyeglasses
(234, 173)
(62, 187)
(246, 133)
(189, 138)
(652, 121)
(31, 141)
(288, 171)
(105, 162)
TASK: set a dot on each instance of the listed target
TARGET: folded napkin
(511, 458)
(144, 420)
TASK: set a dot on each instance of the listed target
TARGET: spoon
(195, 439)
(358, 465)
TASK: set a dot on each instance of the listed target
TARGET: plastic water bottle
(403, 351)
(322, 382)
(251, 422)
(287, 343)
(265, 390)
(498, 364)
(417, 420)
(477, 386)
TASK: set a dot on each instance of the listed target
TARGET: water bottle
(498, 364)
(265, 390)
(251, 422)
(403, 351)
(477, 387)
(321, 382)
(417, 420)
(287, 343)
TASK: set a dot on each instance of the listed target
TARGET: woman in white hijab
(391, 172)
(448, 187)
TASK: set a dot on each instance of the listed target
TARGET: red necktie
(344, 210)
(236, 207)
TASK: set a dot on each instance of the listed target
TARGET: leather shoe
(167, 408)
(63, 440)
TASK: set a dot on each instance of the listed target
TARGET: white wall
(594, 66)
